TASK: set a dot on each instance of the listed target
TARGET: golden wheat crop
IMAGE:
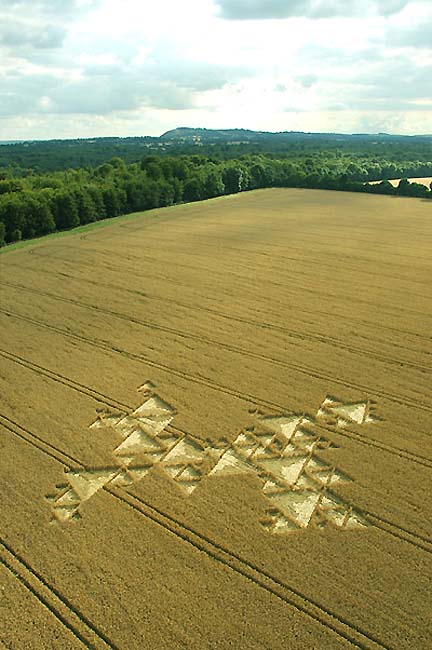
(216, 428)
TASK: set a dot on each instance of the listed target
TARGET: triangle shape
(153, 406)
(125, 425)
(122, 480)
(245, 441)
(64, 513)
(286, 425)
(355, 412)
(69, 498)
(139, 442)
(89, 482)
(231, 463)
(297, 505)
(265, 453)
(185, 451)
(271, 486)
(355, 521)
(172, 470)
(190, 474)
(282, 524)
(138, 473)
(286, 468)
(146, 387)
(154, 424)
(187, 486)
(106, 421)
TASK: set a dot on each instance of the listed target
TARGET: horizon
(97, 68)
(224, 129)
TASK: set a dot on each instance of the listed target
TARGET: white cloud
(275, 9)
(26, 33)
(143, 67)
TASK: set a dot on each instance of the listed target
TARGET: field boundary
(111, 221)
(9, 248)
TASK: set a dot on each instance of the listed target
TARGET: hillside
(187, 134)
(53, 155)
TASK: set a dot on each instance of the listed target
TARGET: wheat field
(425, 180)
(216, 428)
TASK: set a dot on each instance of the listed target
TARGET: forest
(58, 185)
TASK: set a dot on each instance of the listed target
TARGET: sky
(88, 68)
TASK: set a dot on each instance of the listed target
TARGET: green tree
(65, 210)
(86, 206)
(10, 185)
(193, 190)
(403, 187)
(233, 178)
(12, 214)
(213, 184)
(38, 218)
(96, 194)
(114, 199)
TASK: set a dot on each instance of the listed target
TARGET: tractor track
(310, 372)
(343, 628)
(281, 256)
(65, 459)
(306, 288)
(326, 245)
(127, 408)
(231, 317)
(83, 630)
(225, 346)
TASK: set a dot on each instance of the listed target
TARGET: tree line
(383, 155)
(34, 204)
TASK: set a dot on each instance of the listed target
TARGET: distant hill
(206, 135)
(187, 135)
(53, 155)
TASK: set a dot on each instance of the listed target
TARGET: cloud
(163, 81)
(52, 63)
(100, 94)
(104, 95)
(103, 62)
(419, 36)
(395, 81)
(274, 9)
(20, 93)
(306, 80)
(399, 85)
(18, 34)
(48, 7)
(27, 25)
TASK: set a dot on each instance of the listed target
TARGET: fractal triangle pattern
(283, 451)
